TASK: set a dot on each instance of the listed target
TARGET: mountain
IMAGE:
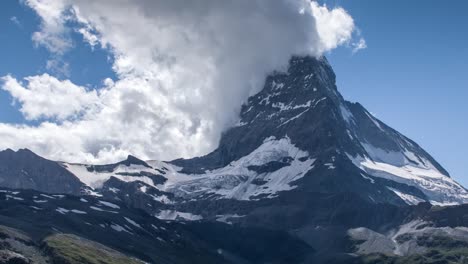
(25, 170)
(48, 228)
(298, 136)
(302, 113)
(302, 165)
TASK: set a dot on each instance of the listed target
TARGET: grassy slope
(71, 249)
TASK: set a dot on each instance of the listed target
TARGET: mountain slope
(298, 132)
(25, 170)
(303, 107)
(88, 229)
(296, 138)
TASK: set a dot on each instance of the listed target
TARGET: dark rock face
(304, 105)
(156, 178)
(25, 170)
(271, 166)
(132, 195)
(131, 160)
(307, 80)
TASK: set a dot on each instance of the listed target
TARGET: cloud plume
(184, 68)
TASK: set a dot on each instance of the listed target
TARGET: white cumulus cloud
(184, 68)
(335, 27)
(53, 33)
(47, 97)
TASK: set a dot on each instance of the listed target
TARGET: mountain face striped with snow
(297, 134)
(302, 111)
(301, 161)
(296, 139)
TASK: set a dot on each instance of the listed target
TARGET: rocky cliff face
(351, 150)
(25, 170)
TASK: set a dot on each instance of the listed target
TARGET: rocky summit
(303, 177)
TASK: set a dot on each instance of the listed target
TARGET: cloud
(53, 33)
(335, 27)
(46, 97)
(58, 66)
(184, 68)
(359, 45)
(16, 21)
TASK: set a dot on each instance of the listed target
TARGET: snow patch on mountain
(162, 199)
(250, 176)
(96, 179)
(111, 205)
(283, 107)
(225, 218)
(416, 171)
(119, 228)
(172, 215)
(408, 198)
(132, 222)
(271, 168)
(347, 115)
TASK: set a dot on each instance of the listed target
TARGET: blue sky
(21, 58)
(413, 74)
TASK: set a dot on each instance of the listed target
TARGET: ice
(224, 218)
(13, 197)
(330, 166)
(236, 181)
(293, 118)
(111, 205)
(376, 122)
(96, 180)
(78, 211)
(368, 178)
(162, 199)
(283, 107)
(62, 210)
(174, 215)
(114, 190)
(102, 210)
(439, 188)
(47, 196)
(119, 228)
(408, 198)
(132, 222)
(347, 115)
(97, 208)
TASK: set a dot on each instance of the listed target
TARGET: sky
(413, 74)
(92, 81)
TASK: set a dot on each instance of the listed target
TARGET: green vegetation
(7, 232)
(70, 249)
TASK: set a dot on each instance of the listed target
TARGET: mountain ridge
(301, 161)
(301, 110)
